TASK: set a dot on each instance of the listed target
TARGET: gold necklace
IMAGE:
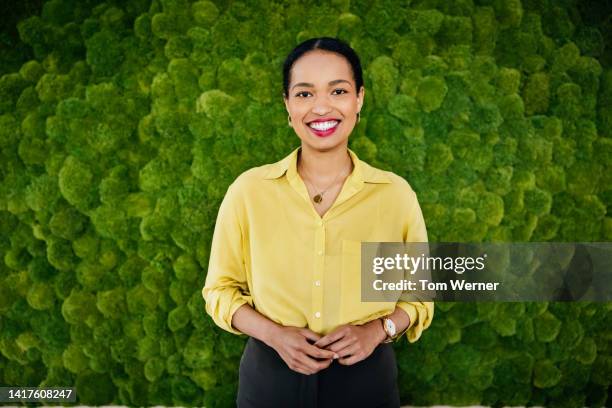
(319, 196)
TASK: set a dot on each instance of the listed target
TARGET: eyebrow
(309, 85)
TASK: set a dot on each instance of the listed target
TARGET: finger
(347, 352)
(309, 334)
(350, 360)
(329, 339)
(350, 355)
(314, 365)
(340, 345)
(324, 364)
(314, 351)
(300, 368)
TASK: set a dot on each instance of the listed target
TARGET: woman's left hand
(353, 343)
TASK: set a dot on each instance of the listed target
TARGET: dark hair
(327, 44)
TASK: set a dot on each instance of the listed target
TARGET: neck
(324, 166)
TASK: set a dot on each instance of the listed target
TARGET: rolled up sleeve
(226, 287)
(420, 312)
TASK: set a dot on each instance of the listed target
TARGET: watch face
(390, 326)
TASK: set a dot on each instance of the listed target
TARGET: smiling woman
(283, 265)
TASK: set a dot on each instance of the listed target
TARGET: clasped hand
(347, 343)
(351, 343)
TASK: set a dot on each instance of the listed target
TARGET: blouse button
(318, 314)
(318, 283)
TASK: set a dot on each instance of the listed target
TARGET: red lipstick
(324, 132)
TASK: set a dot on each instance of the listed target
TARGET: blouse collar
(362, 172)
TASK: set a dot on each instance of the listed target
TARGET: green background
(123, 123)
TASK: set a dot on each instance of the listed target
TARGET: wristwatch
(389, 328)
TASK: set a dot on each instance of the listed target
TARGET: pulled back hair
(326, 44)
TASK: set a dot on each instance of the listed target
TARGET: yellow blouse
(272, 250)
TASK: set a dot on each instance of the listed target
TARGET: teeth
(323, 125)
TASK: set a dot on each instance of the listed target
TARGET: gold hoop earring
(289, 120)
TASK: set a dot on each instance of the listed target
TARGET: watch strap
(400, 334)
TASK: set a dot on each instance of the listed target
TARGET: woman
(285, 256)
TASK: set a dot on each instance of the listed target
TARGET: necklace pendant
(317, 199)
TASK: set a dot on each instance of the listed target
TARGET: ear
(360, 97)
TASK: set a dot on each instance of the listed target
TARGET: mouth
(324, 129)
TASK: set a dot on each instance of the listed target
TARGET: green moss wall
(125, 122)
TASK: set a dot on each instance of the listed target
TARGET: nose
(321, 105)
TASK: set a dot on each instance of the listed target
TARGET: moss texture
(124, 123)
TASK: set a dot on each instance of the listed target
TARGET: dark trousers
(265, 380)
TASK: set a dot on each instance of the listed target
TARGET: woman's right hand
(291, 343)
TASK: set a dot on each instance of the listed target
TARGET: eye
(306, 92)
